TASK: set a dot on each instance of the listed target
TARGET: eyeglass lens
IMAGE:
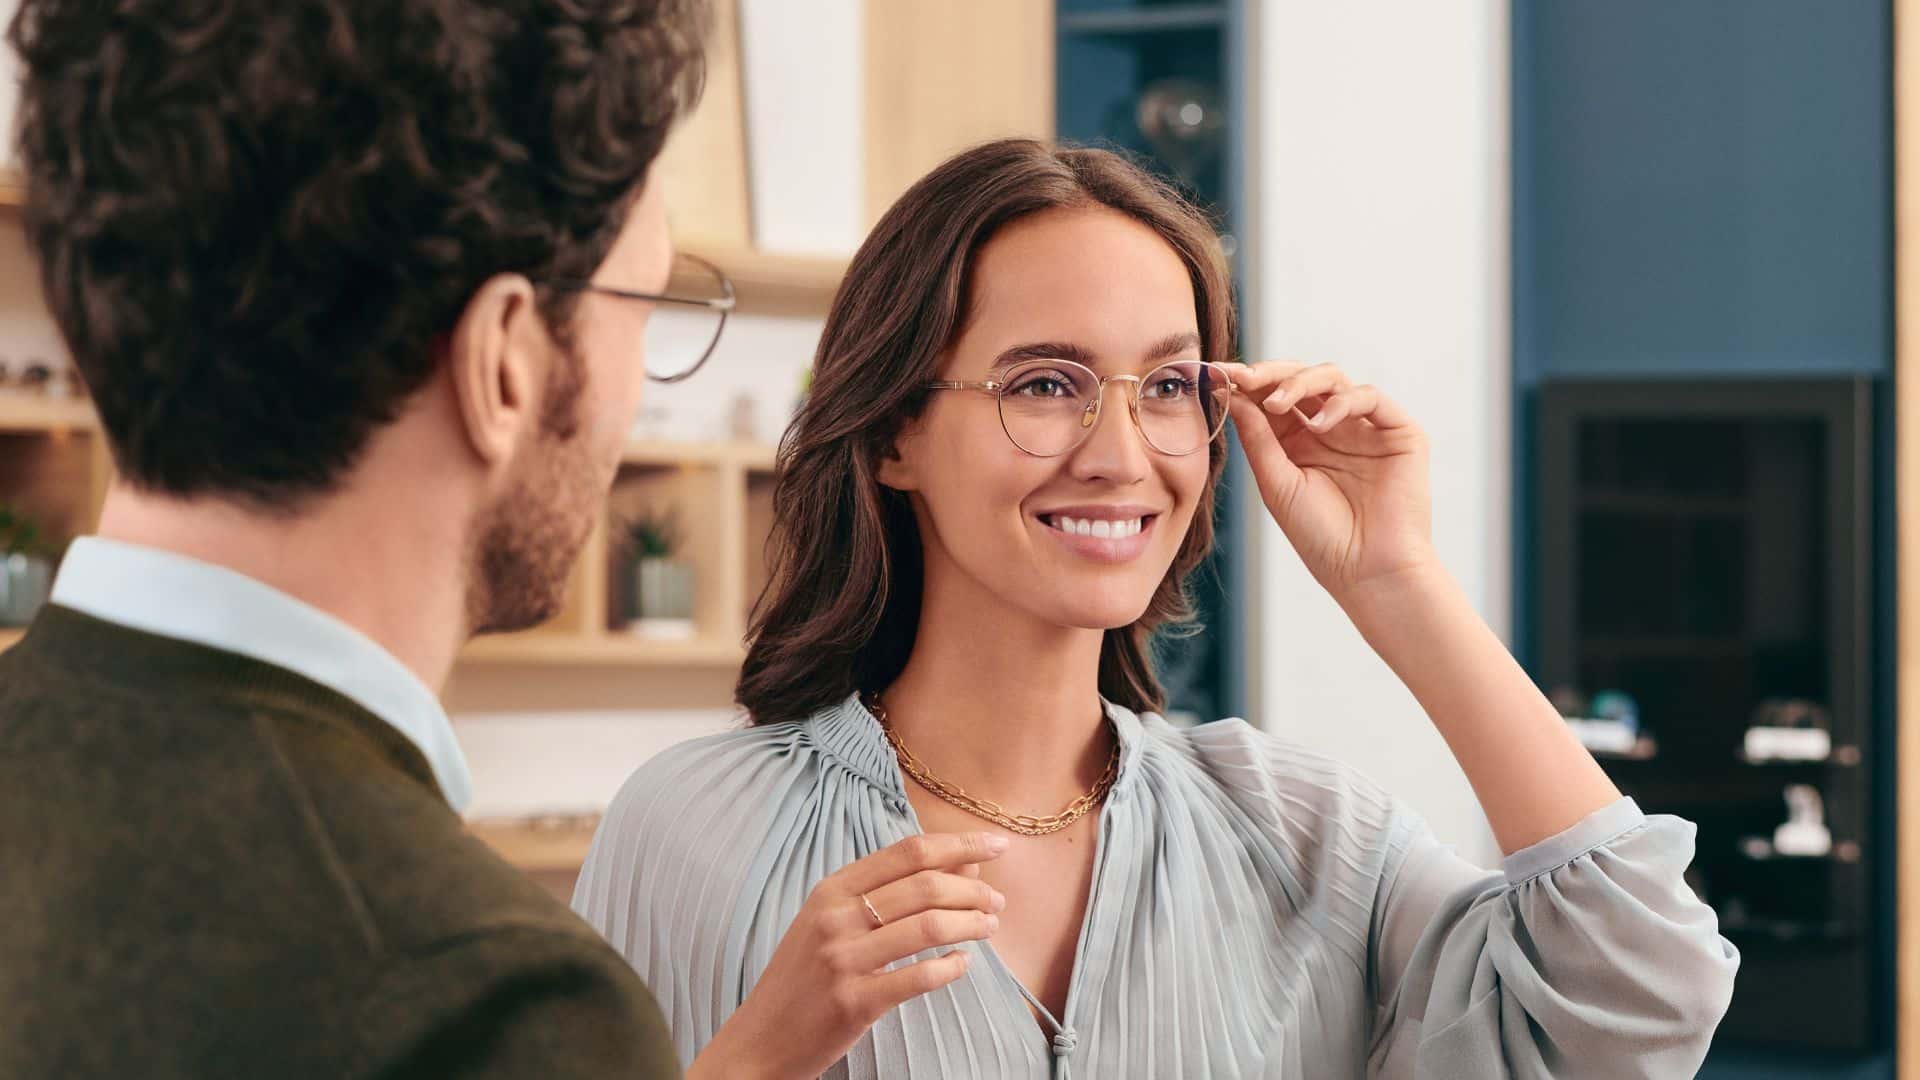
(1049, 407)
(679, 337)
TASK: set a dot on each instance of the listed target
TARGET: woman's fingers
(924, 851)
(1275, 473)
(887, 989)
(1291, 390)
(1260, 378)
(932, 929)
(930, 889)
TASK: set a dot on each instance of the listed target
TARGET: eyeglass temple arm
(989, 385)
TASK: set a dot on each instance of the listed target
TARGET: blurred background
(1632, 264)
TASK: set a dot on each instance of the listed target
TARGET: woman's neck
(1001, 704)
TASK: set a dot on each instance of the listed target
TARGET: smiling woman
(844, 610)
(1003, 476)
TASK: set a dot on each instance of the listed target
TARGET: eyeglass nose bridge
(1090, 415)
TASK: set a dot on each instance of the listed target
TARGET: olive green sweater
(210, 866)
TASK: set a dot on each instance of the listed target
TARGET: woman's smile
(1109, 534)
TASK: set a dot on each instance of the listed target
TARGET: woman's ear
(897, 462)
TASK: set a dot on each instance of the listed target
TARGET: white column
(1380, 176)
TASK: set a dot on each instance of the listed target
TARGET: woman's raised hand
(1341, 467)
(828, 980)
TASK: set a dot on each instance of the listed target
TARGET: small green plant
(653, 533)
(19, 535)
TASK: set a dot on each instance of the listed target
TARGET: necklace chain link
(1024, 824)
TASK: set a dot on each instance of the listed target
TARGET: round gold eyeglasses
(1050, 407)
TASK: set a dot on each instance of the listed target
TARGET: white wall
(1380, 189)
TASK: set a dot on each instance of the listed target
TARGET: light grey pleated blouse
(1256, 911)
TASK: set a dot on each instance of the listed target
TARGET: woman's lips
(1106, 538)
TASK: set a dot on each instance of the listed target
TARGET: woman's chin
(1101, 616)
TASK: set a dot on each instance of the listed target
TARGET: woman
(1004, 471)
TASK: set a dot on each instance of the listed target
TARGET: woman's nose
(1115, 449)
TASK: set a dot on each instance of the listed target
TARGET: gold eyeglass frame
(1090, 414)
(721, 305)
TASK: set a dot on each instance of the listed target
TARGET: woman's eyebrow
(1169, 346)
(1173, 345)
(1042, 350)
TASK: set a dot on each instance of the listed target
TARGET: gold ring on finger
(878, 922)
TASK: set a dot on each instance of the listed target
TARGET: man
(336, 273)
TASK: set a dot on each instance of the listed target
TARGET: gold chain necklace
(1024, 824)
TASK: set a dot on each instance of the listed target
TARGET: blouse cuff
(1596, 830)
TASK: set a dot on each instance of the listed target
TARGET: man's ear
(497, 357)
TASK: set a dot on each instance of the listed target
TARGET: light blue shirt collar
(177, 597)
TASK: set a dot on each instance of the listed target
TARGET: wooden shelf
(611, 648)
(534, 849)
(35, 412)
(751, 456)
(763, 280)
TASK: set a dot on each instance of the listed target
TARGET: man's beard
(525, 546)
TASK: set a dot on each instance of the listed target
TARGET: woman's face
(1095, 286)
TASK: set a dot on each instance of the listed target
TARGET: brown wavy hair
(842, 605)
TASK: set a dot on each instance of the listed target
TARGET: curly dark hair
(253, 220)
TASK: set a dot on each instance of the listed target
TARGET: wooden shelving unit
(53, 462)
(54, 466)
(611, 649)
(767, 282)
(720, 493)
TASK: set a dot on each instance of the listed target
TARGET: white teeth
(1105, 529)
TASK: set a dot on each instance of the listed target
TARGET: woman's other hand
(828, 981)
(1342, 469)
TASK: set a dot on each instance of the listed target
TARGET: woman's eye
(1170, 388)
(1044, 386)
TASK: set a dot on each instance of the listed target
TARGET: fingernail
(996, 902)
(993, 923)
(995, 842)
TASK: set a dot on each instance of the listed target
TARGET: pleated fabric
(1257, 910)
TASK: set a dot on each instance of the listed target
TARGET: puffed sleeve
(1588, 956)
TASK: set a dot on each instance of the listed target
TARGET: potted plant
(26, 571)
(662, 585)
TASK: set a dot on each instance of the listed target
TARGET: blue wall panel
(1709, 187)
